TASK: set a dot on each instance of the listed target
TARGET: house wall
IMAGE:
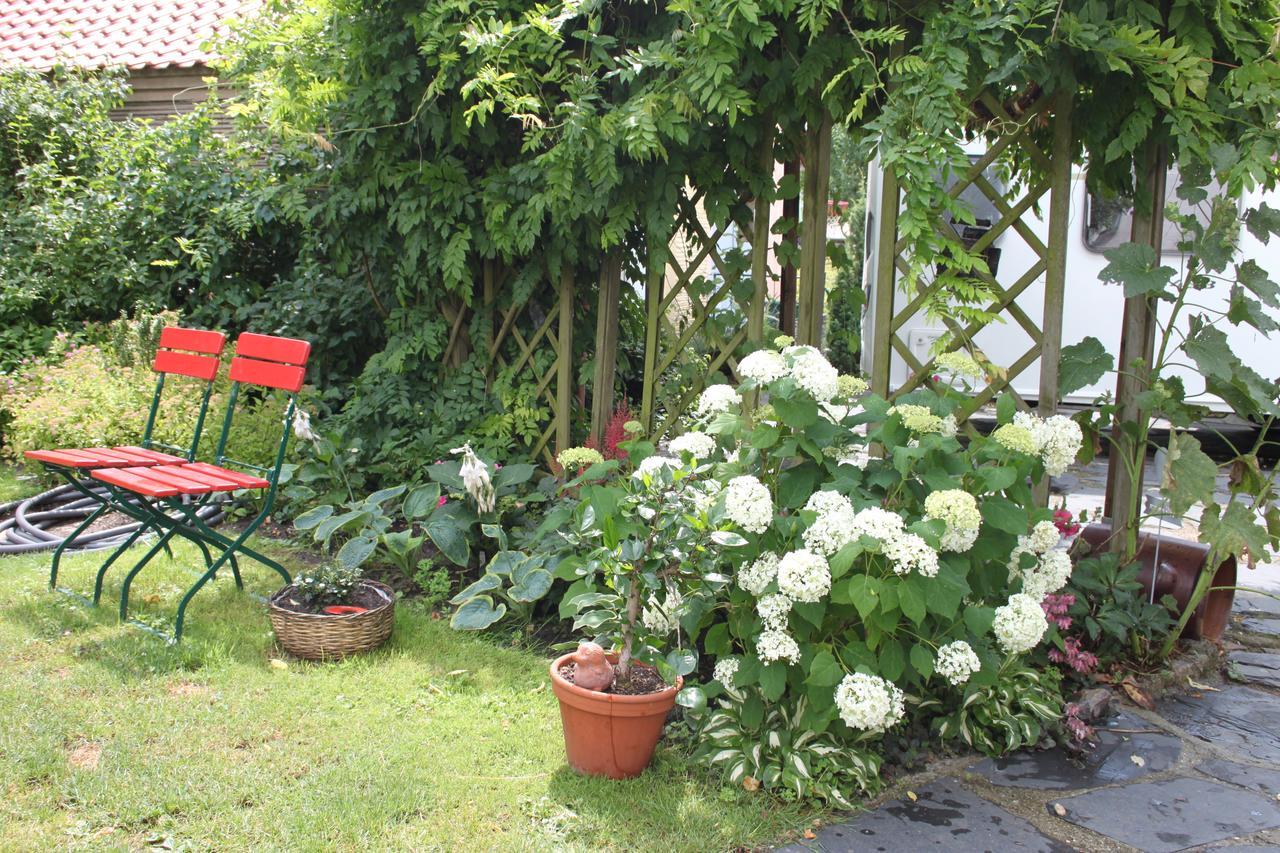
(160, 94)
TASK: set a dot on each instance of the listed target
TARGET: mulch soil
(644, 680)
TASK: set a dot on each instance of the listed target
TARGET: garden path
(1199, 772)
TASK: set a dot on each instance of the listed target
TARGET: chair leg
(102, 570)
(62, 546)
(229, 554)
(146, 558)
(213, 535)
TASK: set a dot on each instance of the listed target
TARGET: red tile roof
(98, 33)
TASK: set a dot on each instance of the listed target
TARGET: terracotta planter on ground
(607, 734)
(1179, 569)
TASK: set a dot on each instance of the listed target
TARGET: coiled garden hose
(25, 524)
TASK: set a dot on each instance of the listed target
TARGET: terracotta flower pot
(607, 734)
(1180, 563)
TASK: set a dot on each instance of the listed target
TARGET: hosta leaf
(531, 586)
(477, 614)
(486, 583)
(421, 501)
(355, 551)
(312, 517)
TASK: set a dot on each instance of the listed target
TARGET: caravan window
(1108, 221)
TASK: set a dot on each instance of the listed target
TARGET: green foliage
(434, 582)
(326, 584)
(1010, 712)
(1111, 613)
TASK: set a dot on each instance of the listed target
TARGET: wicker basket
(321, 636)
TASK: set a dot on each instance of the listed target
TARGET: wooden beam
(760, 224)
(885, 282)
(606, 355)
(1137, 348)
(564, 364)
(813, 233)
(1055, 278)
(791, 213)
(652, 327)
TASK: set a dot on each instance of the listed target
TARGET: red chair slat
(185, 364)
(193, 340)
(73, 459)
(284, 376)
(189, 484)
(241, 479)
(149, 457)
(271, 348)
(134, 480)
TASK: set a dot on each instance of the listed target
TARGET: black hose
(25, 524)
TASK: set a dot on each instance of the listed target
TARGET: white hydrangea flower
(1049, 575)
(956, 662)
(868, 703)
(1020, 624)
(877, 523)
(833, 528)
(959, 510)
(747, 504)
(804, 576)
(949, 426)
(1044, 536)
(960, 364)
(773, 610)
(909, 552)
(718, 398)
(774, 645)
(699, 445)
(858, 457)
(651, 465)
(763, 366)
(1062, 440)
(724, 671)
(660, 617)
(756, 577)
(812, 372)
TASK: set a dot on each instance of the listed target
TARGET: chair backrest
(269, 362)
(195, 353)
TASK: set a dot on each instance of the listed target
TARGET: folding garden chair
(193, 353)
(172, 494)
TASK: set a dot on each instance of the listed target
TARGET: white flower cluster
(858, 457)
(651, 465)
(959, 510)
(718, 398)
(1044, 536)
(1020, 624)
(1050, 574)
(763, 366)
(747, 504)
(804, 576)
(773, 610)
(877, 523)
(812, 372)
(724, 671)
(699, 445)
(1056, 439)
(910, 553)
(956, 662)
(834, 527)
(660, 617)
(869, 703)
(475, 478)
(777, 645)
(757, 576)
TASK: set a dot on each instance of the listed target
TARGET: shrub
(329, 583)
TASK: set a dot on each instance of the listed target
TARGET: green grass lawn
(112, 739)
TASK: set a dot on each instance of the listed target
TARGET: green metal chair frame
(172, 495)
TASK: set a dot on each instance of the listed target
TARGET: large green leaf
(1082, 364)
(1235, 531)
(912, 600)
(513, 475)
(922, 660)
(824, 670)
(355, 551)
(893, 659)
(1003, 514)
(486, 583)
(1190, 476)
(312, 517)
(682, 661)
(773, 680)
(1136, 267)
(451, 539)
(532, 586)
(797, 413)
(421, 501)
(795, 485)
(477, 614)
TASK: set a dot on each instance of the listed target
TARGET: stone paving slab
(945, 816)
(1110, 762)
(1238, 718)
(1261, 779)
(1173, 814)
(1261, 668)
(1260, 625)
(1256, 603)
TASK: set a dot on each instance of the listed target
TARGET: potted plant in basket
(332, 611)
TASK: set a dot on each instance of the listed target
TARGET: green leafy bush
(326, 584)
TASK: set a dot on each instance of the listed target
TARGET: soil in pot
(643, 681)
(362, 596)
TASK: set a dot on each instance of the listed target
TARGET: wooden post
(1137, 348)
(760, 243)
(885, 282)
(652, 323)
(787, 284)
(1055, 277)
(813, 233)
(606, 346)
(564, 364)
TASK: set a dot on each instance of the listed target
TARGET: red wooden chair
(194, 353)
(172, 494)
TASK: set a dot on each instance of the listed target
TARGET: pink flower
(1055, 607)
(1074, 656)
(1063, 520)
(443, 500)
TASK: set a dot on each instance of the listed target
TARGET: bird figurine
(594, 672)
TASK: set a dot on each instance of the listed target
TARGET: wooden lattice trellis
(1055, 166)
(516, 332)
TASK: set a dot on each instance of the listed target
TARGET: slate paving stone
(1172, 814)
(1256, 667)
(1261, 779)
(1253, 602)
(1259, 625)
(1237, 718)
(945, 816)
(1110, 762)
